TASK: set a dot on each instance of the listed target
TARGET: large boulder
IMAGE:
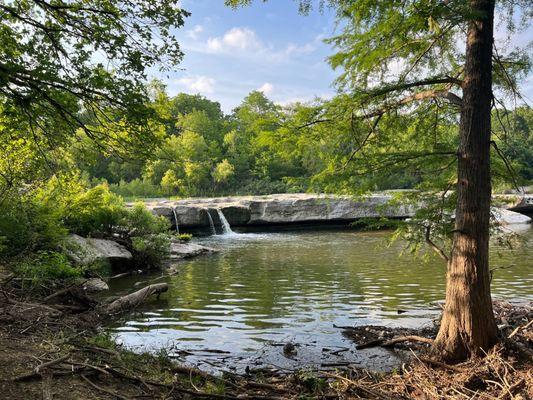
(85, 251)
(179, 250)
(507, 217)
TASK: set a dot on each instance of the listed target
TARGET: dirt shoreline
(56, 351)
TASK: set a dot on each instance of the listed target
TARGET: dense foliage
(263, 148)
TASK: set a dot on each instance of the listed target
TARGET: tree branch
(426, 94)
(436, 248)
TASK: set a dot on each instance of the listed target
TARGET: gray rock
(284, 209)
(507, 217)
(280, 209)
(85, 251)
(179, 250)
(95, 285)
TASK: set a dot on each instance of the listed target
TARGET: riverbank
(52, 350)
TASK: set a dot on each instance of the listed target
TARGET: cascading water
(226, 228)
(211, 223)
(176, 220)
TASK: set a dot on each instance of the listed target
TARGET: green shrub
(185, 237)
(28, 224)
(94, 212)
(46, 266)
(150, 251)
(140, 221)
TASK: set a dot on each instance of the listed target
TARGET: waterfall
(226, 228)
(211, 224)
(176, 220)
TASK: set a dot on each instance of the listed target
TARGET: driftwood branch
(520, 328)
(134, 299)
(104, 390)
(392, 342)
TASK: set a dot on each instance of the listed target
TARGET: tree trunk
(468, 325)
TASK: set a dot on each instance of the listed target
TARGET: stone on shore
(95, 285)
(507, 217)
(179, 250)
(85, 251)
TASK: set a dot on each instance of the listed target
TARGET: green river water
(239, 306)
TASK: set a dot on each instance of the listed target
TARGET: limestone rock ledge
(279, 209)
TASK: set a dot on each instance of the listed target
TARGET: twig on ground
(520, 328)
(104, 390)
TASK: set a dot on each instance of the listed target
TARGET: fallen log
(134, 299)
(393, 341)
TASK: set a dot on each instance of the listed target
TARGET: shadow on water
(238, 307)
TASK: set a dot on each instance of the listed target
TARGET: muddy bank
(52, 349)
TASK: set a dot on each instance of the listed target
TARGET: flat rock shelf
(294, 209)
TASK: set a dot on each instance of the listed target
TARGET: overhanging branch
(426, 94)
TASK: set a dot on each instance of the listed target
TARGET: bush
(140, 221)
(150, 251)
(185, 237)
(28, 224)
(94, 212)
(46, 266)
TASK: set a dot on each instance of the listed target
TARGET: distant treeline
(262, 147)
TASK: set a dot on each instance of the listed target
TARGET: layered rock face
(289, 209)
(282, 209)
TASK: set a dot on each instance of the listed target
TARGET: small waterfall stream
(226, 228)
(176, 220)
(211, 224)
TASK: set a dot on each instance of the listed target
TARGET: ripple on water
(263, 289)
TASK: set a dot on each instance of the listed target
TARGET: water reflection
(272, 288)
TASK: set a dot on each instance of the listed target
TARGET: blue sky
(266, 46)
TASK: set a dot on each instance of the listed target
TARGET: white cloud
(195, 31)
(295, 49)
(267, 88)
(234, 39)
(197, 84)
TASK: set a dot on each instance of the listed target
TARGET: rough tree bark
(468, 325)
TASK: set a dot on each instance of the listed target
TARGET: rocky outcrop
(282, 209)
(524, 204)
(95, 285)
(85, 251)
(179, 250)
(290, 209)
(507, 217)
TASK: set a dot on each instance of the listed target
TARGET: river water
(238, 307)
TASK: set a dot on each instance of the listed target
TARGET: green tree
(223, 171)
(170, 182)
(403, 59)
(65, 64)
